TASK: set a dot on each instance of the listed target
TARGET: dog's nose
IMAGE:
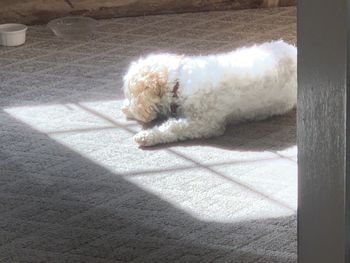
(126, 111)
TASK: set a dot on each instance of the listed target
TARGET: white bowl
(73, 27)
(12, 35)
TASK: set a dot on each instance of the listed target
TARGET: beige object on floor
(12, 34)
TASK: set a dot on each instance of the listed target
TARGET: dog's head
(144, 86)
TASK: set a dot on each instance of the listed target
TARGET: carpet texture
(75, 188)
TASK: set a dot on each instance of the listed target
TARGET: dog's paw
(145, 138)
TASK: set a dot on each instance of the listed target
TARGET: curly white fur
(250, 83)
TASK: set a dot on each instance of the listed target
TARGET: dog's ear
(146, 90)
(156, 83)
(143, 107)
(150, 82)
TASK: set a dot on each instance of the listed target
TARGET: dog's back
(248, 83)
(269, 82)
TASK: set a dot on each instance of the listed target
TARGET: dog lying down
(199, 95)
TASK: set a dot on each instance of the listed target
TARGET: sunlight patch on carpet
(206, 181)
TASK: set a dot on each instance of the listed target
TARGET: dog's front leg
(174, 130)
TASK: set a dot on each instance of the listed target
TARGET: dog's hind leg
(174, 130)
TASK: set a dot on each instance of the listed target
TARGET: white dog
(199, 95)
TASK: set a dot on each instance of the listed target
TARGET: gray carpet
(75, 188)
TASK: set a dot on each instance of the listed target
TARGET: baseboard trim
(41, 11)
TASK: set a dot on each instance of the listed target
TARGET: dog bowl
(12, 35)
(73, 27)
